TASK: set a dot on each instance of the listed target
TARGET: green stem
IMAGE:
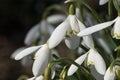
(53, 7)
(116, 5)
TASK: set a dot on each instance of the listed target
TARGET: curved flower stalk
(111, 73)
(42, 57)
(115, 31)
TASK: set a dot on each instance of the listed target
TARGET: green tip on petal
(117, 36)
(72, 9)
(90, 63)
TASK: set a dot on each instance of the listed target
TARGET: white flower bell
(93, 58)
(70, 27)
(42, 57)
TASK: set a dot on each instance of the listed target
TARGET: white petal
(116, 29)
(74, 23)
(41, 60)
(81, 25)
(58, 34)
(16, 52)
(88, 41)
(32, 35)
(26, 52)
(95, 28)
(33, 78)
(39, 78)
(77, 12)
(102, 2)
(95, 58)
(74, 68)
(109, 75)
(72, 42)
(56, 18)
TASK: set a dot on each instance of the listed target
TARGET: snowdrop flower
(56, 18)
(115, 31)
(111, 73)
(42, 58)
(92, 57)
(38, 30)
(70, 27)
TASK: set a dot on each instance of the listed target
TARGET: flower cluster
(74, 29)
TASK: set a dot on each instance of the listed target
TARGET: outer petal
(95, 58)
(41, 60)
(39, 78)
(26, 52)
(74, 23)
(102, 2)
(16, 52)
(95, 28)
(77, 12)
(32, 35)
(56, 18)
(58, 34)
(88, 41)
(81, 25)
(116, 29)
(72, 42)
(109, 75)
(33, 78)
(74, 68)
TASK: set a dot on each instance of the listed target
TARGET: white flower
(102, 2)
(56, 18)
(32, 35)
(111, 73)
(42, 57)
(42, 28)
(115, 31)
(70, 27)
(93, 58)
(25, 61)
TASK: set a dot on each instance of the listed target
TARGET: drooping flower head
(68, 30)
(42, 57)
